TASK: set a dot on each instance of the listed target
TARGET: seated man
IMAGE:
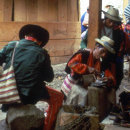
(33, 69)
(86, 62)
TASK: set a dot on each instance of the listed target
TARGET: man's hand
(107, 80)
(93, 71)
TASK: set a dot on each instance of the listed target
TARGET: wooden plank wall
(46, 10)
(6, 10)
(59, 17)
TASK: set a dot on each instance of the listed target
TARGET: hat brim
(117, 19)
(111, 50)
(40, 33)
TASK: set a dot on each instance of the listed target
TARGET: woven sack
(8, 88)
(67, 85)
(75, 93)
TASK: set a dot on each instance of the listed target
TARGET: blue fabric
(83, 28)
(127, 12)
(119, 60)
(127, 28)
(83, 43)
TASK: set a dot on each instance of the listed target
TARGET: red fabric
(77, 66)
(126, 29)
(90, 62)
(55, 102)
(127, 42)
(109, 74)
(30, 38)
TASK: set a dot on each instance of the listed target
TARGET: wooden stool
(102, 99)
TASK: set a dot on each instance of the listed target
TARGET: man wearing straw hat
(85, 62)
(111, 27)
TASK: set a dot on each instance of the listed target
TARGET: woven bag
(67, 85)
(8, 88)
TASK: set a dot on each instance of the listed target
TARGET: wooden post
(94, 17)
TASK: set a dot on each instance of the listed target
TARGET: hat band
(107, 44)
(113, 16)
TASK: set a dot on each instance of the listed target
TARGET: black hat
(35, 31)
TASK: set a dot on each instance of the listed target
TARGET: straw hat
(113, 14)
(107, 43)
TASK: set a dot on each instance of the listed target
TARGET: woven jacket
(32, 67)
(126, 29)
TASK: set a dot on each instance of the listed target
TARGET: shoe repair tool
(98, 83)
(102, 74)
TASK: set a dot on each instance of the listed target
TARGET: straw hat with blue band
(112, 14)
(107, 43)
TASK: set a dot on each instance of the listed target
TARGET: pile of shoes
(123, 111)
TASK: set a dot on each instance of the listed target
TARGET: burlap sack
(77, 96)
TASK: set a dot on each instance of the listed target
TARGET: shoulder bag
(8, 88)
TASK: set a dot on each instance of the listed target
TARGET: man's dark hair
(115, 22)
(99, 45)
